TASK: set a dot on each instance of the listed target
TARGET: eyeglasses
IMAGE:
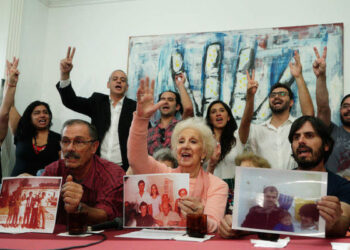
(77, 143)
(162, 135)
(281, 93)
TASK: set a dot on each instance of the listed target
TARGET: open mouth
(277, 102)
(304, 151)
(118, 87)
(42, 121)
(185, 156)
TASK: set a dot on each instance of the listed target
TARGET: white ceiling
(65, 3)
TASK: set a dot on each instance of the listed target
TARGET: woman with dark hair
(156, 200)
(221, 121)
(36, 145)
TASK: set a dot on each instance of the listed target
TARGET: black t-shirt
(27, 161)
(339, 187)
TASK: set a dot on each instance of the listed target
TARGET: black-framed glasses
(162, 135)
(77, 143)
(280, 93)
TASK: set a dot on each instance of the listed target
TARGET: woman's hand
(145, 103)
(191, 205)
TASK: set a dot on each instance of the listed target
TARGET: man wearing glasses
(90, 183)
(270, 139)
(339, 160)
(160, 135)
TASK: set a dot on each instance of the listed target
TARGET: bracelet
(12, 85)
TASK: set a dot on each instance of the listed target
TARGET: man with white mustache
(105, 111)
(269, 139)
(159, 136)
(339, 160)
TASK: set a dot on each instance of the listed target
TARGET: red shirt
(103, 185)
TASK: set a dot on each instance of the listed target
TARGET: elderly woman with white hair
(193, 144)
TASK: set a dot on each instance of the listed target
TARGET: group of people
(92, 157)
(153, 209)
(26, 211)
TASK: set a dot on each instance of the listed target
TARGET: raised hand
(180, 79)
(145, 99)
(295, 68)
(66, 64)
(12, 72)
(319, 65)
(253, 85)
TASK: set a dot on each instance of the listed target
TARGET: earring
(202, 161)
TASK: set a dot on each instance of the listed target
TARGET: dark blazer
(97, 107)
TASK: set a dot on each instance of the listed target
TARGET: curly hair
(26, 128)
(227, 139)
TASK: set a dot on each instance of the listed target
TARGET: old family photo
(29, 204)
(152, 200)
(279, 201)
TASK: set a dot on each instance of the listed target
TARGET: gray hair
(92, 129)
(165, 154)
(110, 76)
(198, 124)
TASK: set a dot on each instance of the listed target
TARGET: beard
(279, 110)
(307, 164)
(344, 122)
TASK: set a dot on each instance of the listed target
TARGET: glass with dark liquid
(77, 223)
(196, 225)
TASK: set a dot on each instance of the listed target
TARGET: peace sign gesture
(319, 65)
(296, 68)
(253, 85)
(66, 64)
(12, 72)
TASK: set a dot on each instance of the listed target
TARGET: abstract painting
(215, 64)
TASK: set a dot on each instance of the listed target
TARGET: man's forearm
(340, 228)
(322, 100)
(95, 215)
(306, 105)
(186, 102)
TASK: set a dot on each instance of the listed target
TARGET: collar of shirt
(120, 103)
(90, 175)
(174, 120)
(268, 124)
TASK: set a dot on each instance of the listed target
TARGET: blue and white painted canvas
(215, 64)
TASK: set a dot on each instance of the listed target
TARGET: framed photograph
(151, 200)
(29, 204)
(279, 201)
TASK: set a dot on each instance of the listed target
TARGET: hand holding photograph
(279, 201)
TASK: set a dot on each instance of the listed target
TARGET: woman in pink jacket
(193, 144)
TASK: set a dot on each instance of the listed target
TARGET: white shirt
(110, 147)
(226, 167)
(272, 143)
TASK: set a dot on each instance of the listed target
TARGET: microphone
(116, 223)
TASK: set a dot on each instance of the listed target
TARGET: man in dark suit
(105, 111)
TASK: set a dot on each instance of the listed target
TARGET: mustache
(301, 147)
(71, 155)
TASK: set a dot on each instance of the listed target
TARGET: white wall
(5, 6)
(101, 32)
